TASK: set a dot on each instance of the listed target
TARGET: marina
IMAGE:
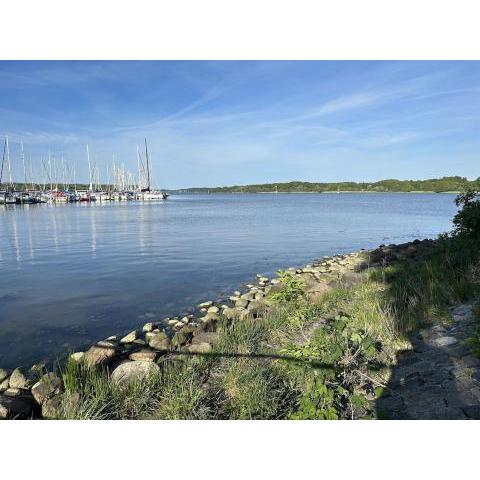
(59, 184)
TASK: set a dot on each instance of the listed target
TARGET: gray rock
(77, 356)
(18, 380)
(242, 303)
(144, 355)
(4, 374)
(12, 392)
(212, 310)
(205, 304)
(159, 341)
(129, 338)
(100, 354)
(4, 385)
(14, 407)
(52, 408)
(445, 341)
(133, 371)
(202, 347)
(148, 327)
(48, 386)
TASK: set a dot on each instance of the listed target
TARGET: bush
(467, 220)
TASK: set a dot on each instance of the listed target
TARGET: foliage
(292, 287)
(444, 184)
(467, 220)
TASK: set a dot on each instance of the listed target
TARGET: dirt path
(440, 378)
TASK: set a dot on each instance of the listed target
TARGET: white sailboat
(147, 193)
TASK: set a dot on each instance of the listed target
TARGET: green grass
(324, 360)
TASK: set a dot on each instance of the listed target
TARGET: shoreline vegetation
(323, 341)
(454, 184)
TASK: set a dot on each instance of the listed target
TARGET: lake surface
(73, 274)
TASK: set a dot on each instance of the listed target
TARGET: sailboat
(147, 193)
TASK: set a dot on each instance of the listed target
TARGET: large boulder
(14, 407)
(183, 336)
(129, 371)
(100, 354)
(48, 386)
(159, 341)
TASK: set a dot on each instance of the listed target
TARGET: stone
(202, 347)
(256, 307)
(148, 327)
(14, 407)
(52, 408)
(159, 341)
(229, 313)
(242, 303)
(248, 296)
(48, 386)
(18, 380)
(4, 374)
(4, 385)
(129, 371)
(205, 304)
(213, 310)
(129, 338)
(445, 341)
(100, 354)
(12, 392)
(77, 356)
(144, 355)
(182, 337)
(205, 337)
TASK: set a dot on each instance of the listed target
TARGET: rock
(205, 337)
(237, 293)
(129, 338)
(148, 327)
(256, 307)
(172, 322)
(144, 355)
(4, 374)
(242, 303)
(205, 304)
(77, 356)
(48, 386)
(100, 354)
(202, 347)
(213, 309)
(159, 341)
(229, 313)
(185, 319)
(14, 407)
(445, 341)
(248, 296)
(12, 392)
(4, 385)
(275, 281)
(133, 371)
(52, 408)
(18, 380)
(182, 337)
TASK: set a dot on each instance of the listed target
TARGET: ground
(439, 378)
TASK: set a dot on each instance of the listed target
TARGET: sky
(215, 123)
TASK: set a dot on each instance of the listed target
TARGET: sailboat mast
(148, 166)
(89, 169)
(3, 160)
(22, 154)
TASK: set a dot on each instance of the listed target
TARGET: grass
(326, 359)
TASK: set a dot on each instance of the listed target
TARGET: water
(73, 274)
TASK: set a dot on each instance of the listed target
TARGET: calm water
(72, 274)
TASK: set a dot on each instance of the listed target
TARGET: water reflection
(77, 272)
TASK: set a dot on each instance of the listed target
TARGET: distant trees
(444, 184)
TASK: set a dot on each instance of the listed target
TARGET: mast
(3, 160)
(89, 169)
(9, 166)
(22, 155)
(148, 167)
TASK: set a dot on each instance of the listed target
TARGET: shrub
(467, 220)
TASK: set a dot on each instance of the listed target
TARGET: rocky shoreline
(37, 393)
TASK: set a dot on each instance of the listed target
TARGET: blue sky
(211, 123)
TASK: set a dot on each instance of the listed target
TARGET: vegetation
(328, 358)
(444, 184)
